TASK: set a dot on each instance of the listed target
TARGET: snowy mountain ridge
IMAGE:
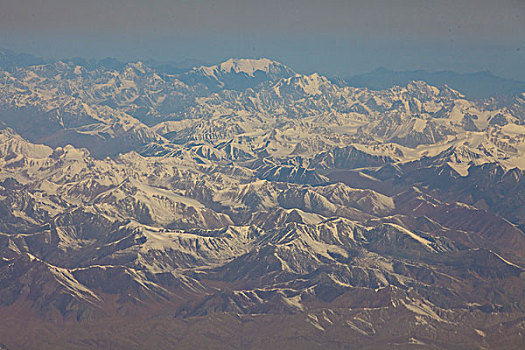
(244, 194)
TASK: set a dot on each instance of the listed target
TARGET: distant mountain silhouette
(10, 60)
(473, 85)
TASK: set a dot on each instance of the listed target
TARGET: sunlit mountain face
(244, 205)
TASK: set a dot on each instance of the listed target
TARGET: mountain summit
(249, 67)
(239, 73)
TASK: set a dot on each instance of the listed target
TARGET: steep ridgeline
(228, 205)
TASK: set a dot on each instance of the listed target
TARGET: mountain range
(244, 205)
(475, 85)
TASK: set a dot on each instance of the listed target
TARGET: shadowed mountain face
(243, 205)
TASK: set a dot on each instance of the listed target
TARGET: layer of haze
(335, 37)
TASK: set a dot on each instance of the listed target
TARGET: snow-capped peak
(247, 66)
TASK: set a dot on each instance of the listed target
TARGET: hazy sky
(341, 37)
